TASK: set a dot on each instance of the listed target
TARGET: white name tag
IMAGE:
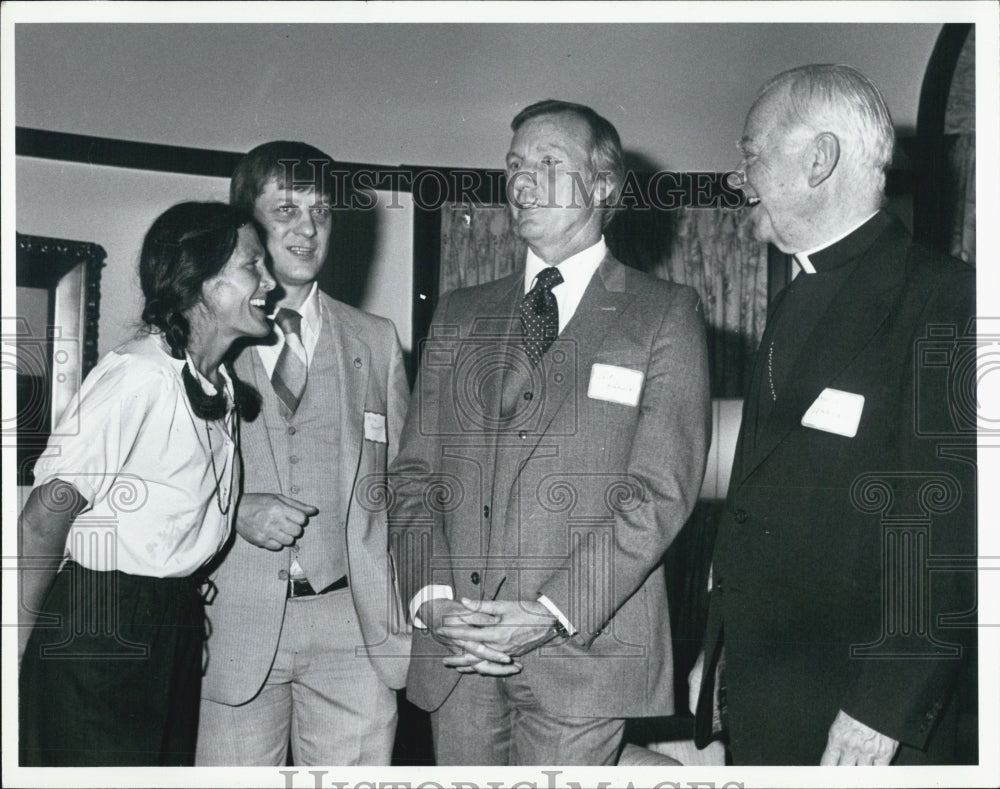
(615, 384)
(375, 427)
(835, 411)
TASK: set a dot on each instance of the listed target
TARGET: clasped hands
(485, 636)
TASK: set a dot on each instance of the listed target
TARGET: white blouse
(158, 480)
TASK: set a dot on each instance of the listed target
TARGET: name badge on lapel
(375, 427)
(835, 411)
(615, 384)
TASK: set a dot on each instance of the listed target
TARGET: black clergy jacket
(843, 568)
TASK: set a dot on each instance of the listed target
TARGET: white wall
(109, 206)
(114, 207)
(390, 94)
(436, 94)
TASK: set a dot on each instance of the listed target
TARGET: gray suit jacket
(248, 610)
(541, 482)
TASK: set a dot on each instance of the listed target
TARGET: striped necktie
(289, 376)
(540, 315)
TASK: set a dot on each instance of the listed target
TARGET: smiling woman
(131, 505)
(234, 301)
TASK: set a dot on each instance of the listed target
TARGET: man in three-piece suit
(555, 445)
(829, 639)
(307, 639)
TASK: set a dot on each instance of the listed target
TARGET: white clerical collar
(576, 270)
(802, 258)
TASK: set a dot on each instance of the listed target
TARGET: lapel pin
(357, 362)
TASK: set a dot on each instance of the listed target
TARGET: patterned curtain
(960, 147)
(961, 203)
(477, 246)
(712, 250)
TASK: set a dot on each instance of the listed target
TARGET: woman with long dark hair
(133, 497)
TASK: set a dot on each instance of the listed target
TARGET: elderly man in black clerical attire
(828, 639)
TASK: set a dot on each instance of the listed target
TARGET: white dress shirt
(312, 325)
(577, 271)
(157, 478)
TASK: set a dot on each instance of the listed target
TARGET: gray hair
(842, 100)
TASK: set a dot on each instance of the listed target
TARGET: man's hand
(460, 629)
(520, 626)
(471, 663)
(456, 627)
(852, 743)
(270, 520)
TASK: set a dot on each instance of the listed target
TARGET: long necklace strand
(232, 468)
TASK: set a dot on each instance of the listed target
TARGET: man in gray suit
(554, 447)
(307, 638)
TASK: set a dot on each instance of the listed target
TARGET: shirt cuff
(429, 592)
(557, 614)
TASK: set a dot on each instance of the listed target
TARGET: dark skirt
(112, 672)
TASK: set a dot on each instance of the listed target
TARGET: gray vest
(307, 455)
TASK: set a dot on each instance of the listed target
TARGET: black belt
(303, 588)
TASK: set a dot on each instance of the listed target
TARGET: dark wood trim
(85, 149)
(937, 79)
(927, 149)
(134, 155)
(426, 269)
(51, 367)
(42, 262)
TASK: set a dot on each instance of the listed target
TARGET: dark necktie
(289, 376)
(540, 315)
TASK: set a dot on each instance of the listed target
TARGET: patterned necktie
(540, 315)
(289, 376)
